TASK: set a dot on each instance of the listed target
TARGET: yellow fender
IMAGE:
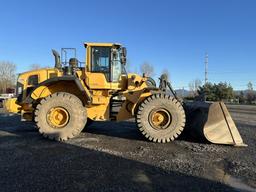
(11, 106)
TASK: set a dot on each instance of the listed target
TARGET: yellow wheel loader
(61, 100)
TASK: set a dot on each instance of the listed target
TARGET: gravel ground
(111, 156)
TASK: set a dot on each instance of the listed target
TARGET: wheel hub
(58, 117)
(160, 118)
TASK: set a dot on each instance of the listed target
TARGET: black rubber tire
(74, 107)
(150, 82)
(172, 106)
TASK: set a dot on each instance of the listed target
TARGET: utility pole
(206, 68)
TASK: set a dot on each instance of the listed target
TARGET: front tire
(60, 116)
(160, 118)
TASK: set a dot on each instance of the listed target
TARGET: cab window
(101, 60)
(33, 80)
(116, 65)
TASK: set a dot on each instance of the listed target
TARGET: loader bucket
(212, 122)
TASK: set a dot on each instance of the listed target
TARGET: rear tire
(160, 118)
(60, 116)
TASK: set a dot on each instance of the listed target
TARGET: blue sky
(171, 34)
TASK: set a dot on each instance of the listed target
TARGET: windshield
(101, 61)
(117, 67)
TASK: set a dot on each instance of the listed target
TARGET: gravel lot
(115, 157)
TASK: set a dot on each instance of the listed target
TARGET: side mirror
(123, 55)
(124, 51)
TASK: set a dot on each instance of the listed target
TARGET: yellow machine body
(11, 106)
(95, 86)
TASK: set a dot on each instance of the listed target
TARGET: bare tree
(129, 68)
(7, 75)
(194, 86)
(250, 86)
(34, 66)
(250, 95)
(148, 69)
(166, 72)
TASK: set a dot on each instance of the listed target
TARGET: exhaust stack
(57, 59)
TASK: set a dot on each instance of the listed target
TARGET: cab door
(118, 74)
(105, 71)
(99, 76)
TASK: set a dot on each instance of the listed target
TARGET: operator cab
(106, 58)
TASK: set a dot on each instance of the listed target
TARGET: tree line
(7, 76)
(221, 91)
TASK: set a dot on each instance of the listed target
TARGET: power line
(231, 72)
(206, 69)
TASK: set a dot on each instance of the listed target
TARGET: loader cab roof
(102, 44)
